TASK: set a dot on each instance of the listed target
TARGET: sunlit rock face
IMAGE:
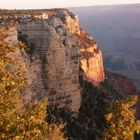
(91, 56)
(91, 59)
(57, 49)
(73, 24)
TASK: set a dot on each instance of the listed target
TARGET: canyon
(64, 66)
(58, 52)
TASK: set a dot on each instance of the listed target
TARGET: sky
(27, 4)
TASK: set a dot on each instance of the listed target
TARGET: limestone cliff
(91, 58)
(54, 63)
(57, 48)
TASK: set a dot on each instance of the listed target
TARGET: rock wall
(54, 63)
(19, 56)
(91, 58)
(57, 48)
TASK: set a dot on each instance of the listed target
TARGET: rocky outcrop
(54, 63)
(18, 55)
(91, 58)
(72, 24)
(57, 48)
(91, 55)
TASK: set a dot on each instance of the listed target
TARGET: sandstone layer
(91, 58)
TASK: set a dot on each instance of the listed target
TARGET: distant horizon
(104, 5)
(43, 4)
(70, 7)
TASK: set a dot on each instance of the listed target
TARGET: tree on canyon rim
(16, 121)
(121, 120)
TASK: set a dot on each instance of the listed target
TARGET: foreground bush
(19, 121)
(121, 120)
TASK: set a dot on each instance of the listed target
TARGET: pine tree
(121, 120)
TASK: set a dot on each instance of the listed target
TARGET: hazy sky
(58, 3)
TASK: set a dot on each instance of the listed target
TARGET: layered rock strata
(57, 48)
(54, 63)
(91, 55)
(91, 58)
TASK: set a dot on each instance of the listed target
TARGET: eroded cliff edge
(58, 49)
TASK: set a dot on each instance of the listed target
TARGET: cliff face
(57, 48)
(91, 58)
(90, 55)
(54, 63)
